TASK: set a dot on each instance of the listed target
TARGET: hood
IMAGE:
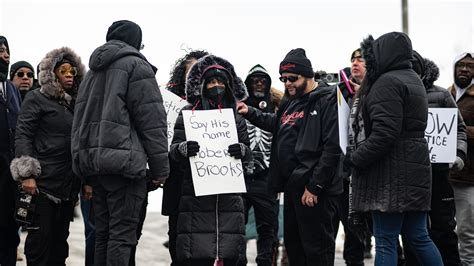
(459, 58)
(46, 76)
(195, 84)
(258, 70)
(390, 51)
(110, 52)
(430, 73)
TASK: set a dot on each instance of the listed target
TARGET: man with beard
(304, 155)
(463, 181)
(9, 108)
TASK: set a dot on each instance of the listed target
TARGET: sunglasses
(289, 78)
(22, 74)
(71, 70)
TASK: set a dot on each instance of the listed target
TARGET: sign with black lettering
(173, 105)
(214, 171)
(441, 134)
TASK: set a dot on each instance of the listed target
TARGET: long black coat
(393, 172)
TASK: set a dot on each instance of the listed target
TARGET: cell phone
(344, 78)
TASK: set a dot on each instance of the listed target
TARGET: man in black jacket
(305, 153)
(119, 126)
(9, 107)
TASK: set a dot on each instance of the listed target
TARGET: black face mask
(3, 70)
(216, 94)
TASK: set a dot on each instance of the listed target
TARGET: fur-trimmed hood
(430, 73)
(195, 84)
(390, 51)
(47, 79)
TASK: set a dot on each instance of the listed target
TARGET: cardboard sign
(214, 171)
(343, 120)
(441, 134)
(173, 105)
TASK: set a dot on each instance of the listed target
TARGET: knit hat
(297, 62)
(216, 71)
(356, 54)
(126, 31)
(14, 68)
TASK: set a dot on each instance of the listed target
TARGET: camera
(25, 208)
(323, 76)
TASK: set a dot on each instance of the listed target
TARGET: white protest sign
(343, 120)
(214, 171)
(441, 134)
(173, 105)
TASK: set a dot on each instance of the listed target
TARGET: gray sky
(245, 32)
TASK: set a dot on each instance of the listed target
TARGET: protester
(22, 75)
(119, 126)
(10, 101)
(43, 165)
(354, 238)
(392, 175)
(463, 181)
(264, 203)
(304, 155)
(172, 188)
(211, 84)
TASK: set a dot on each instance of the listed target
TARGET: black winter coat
(120, 121)
(392, 168)
(317, 148)
(43, 133)
(208, 226)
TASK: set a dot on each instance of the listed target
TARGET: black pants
(172, 233)
(117, 202)
(441, 221)
(266, 218)
(208, 262)
(309, 231)
(9, 240)
(46, 242)
(139, 230)
(353, 252)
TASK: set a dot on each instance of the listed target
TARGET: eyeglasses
(71, 70)
(21, 74)
(259, 79)
(289, 78)
(465, 65)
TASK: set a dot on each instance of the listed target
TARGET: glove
(188, 148)
(347, 165)
(458, 164)
(358, 225)
(237, 150)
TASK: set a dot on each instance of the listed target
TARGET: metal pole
(405, 16)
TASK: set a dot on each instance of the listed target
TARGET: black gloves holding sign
(237, 150)
(188, 148)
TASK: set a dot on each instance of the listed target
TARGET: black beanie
(126, 31)
(297, 62)
(356, 54)
(216, 71)
(14, 68)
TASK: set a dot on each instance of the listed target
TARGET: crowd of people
(100, 137)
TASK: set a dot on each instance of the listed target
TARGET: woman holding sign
(211, 228)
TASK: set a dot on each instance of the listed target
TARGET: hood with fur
(430, 73)
(195, 84)
(47, 79)
(390, 51)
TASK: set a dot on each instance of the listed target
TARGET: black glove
(358, 225)
(237, 150)
(347, 164)
(188, 148)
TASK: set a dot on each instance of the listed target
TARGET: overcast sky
(245, 32)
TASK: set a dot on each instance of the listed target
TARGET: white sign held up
(343, 120)
(441, 134)
(173, 105)
(214, 171)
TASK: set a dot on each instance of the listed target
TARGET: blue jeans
(89, 230)
(412, 225)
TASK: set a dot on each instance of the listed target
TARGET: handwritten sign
(441, 134)
(214, 171)
(343, 120)
(173, 105)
